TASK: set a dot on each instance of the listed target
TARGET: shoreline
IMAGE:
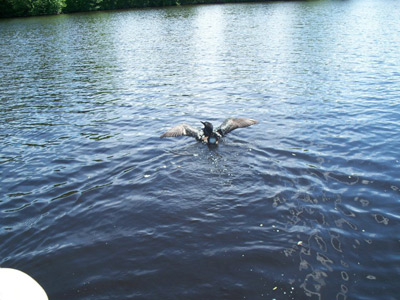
(9, 10)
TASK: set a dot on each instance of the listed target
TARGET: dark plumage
(208, 134)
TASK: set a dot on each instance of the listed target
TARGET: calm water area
(303, 205)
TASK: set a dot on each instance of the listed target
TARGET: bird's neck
(208, 131)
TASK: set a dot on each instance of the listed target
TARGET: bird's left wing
(182, 129)
(232, 123)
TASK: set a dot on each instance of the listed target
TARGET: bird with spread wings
(208, 134)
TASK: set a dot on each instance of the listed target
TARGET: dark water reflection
(304, 205)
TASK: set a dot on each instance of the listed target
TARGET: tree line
(23, 8)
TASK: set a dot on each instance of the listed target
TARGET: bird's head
(208, 128)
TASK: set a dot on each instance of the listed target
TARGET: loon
(208, 134)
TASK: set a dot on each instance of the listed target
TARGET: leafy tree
(21, 7)
(18, 8)
(46, 7)
(6, 9)
(82, 5)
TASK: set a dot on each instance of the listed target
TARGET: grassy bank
(24, 8)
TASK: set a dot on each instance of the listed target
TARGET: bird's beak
(202, 123)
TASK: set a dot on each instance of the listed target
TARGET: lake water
(303, 205)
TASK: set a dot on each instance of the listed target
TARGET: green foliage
(21, 8)
(6, 9)
(82, 5)
(46, 7)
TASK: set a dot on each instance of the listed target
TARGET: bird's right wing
(180, 130)
(231, 124)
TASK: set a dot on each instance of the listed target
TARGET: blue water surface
(303, 205)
